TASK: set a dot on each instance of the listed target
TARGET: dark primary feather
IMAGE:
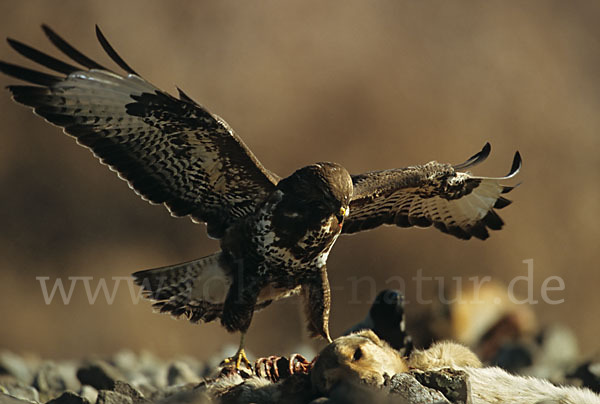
(30, 75)
(170, 150)
(70, 51)
(112, 53)
(432, 194)
(475, 159)
(41, 58)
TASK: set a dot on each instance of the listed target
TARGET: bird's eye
(357, 354)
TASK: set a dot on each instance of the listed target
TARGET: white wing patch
(436, 194)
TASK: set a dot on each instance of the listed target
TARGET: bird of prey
(386, 318)
(275, 234)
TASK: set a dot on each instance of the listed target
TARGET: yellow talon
(238, 357)
(241, 357)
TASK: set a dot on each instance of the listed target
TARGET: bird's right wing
(170, 150)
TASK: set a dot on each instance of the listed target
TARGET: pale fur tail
(497, 386)
(492, 385)
(195, 289)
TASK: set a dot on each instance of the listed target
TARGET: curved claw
(237, 360)
(299, 364)
(269, 366)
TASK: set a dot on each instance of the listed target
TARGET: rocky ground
(549, 353)
(124, 378)
(128, 378)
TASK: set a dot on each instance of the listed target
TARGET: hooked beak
(342, 214)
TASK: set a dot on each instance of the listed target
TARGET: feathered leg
(237, 313)
(317, 301)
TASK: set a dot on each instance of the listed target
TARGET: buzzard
(275, 234)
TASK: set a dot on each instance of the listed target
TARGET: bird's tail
(195, 289)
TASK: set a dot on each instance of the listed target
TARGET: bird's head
(320, 189)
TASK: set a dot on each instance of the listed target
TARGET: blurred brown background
(370, 85)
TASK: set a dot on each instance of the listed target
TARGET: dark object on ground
(512, 357)
(68, 397)
(386, 318)
(589, 374)
(99, 375)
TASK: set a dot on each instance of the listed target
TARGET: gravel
(125, 377)
(130, 378)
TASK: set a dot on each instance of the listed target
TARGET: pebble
(452, 383)
(7, 399)
(50, 378)
(126, 361)
(68, 397)
(16, 366)
(99, 374)
(180, 373)
(111, 397)
(128, 390)
(89, 393)
(19, 390)
(406, 385)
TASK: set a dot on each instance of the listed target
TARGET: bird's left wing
(170, 150)
(435, 194)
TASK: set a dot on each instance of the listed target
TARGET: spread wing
(436, 194)
(170, 150)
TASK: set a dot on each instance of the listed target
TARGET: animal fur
(363, 358)
(489, 385)
(358, 357)
(444, 354)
